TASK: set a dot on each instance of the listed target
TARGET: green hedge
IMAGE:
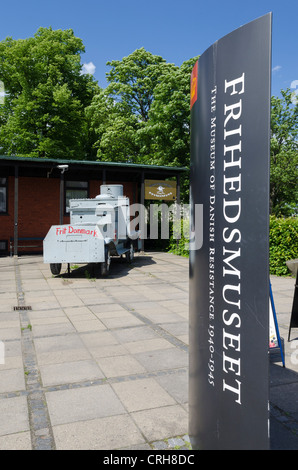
(179, 246)
(283, 244)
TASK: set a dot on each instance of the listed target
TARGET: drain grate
(28, 307)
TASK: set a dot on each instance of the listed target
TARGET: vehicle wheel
(105, 266)
(55, 268)
(130, 254)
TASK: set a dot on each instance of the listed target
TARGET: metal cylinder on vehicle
(113, 190)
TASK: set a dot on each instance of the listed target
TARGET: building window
(3, 248)
(75, 190)
(3, 195)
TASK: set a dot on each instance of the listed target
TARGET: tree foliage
(46, 95)
(143, 114)
(170, 117)
(132, 81)
(52, 110)
(284, 155)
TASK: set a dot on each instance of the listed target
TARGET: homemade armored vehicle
(98, 230)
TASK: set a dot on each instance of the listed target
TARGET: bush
(283, 244)
(179, 245)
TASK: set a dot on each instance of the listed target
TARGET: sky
(177, 30)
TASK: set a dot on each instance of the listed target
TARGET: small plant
(88, 276)
(28, 327)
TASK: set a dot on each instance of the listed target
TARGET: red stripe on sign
(194, 85)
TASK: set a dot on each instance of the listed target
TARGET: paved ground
(103, 363)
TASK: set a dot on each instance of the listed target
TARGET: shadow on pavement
(284, 408)
(119, 267)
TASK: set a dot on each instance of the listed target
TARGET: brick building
(34, 193)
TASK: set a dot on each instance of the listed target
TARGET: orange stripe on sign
(194, 85)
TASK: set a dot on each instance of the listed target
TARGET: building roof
(51, 162)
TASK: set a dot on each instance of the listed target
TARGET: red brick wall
(39, 206)
(6, 221)
(94, 188)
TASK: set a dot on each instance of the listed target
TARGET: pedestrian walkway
(102, 363)
(284, 381)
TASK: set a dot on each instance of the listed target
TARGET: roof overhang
(150, 171)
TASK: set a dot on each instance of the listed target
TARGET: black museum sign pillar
(229, 273)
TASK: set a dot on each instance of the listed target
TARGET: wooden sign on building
(159, 189)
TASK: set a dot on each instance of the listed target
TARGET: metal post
(143, 204)
(178, 203)
(178, 188)
(61, 197)
(62, 168)
(16, 210)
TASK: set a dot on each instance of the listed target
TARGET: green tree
(115, 129)
(119, 114)
(46, 94)
(143, 114)
(132, 81)
(169, 123)
(284, 155)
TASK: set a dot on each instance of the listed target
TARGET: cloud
(276, 68)
(88, 68)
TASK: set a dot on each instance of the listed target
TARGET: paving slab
(14, 416)
(70, 372)
(102, 363)
(142, 394)
(12, 380)
(18, 441)
(99, 434)
(162, 422)
(83, 403)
